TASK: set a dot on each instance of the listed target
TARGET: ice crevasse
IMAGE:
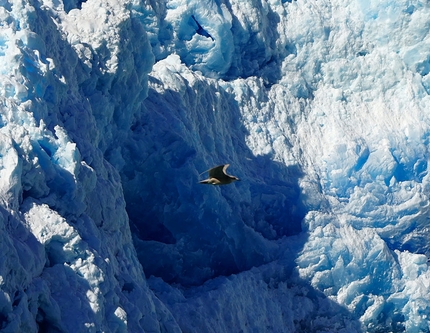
(110, 110)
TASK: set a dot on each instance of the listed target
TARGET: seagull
(218, 176)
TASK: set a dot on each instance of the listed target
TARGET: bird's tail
(203, 172)
(206, 181)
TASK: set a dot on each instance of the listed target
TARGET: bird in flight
(218, 176)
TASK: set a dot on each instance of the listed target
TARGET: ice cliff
(110, 110)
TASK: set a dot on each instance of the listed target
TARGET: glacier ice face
(110, 111)
(69, 264)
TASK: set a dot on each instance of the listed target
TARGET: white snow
(110, 110)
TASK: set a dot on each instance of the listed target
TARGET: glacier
(110, 111)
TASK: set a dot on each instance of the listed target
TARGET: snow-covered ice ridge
(111, 109)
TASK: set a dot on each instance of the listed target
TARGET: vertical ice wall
(337, 92)
(67, 259)
(320, 107)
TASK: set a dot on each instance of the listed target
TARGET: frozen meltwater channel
(110, 110)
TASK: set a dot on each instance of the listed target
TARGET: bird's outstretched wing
(218, 172)
(224, 170)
